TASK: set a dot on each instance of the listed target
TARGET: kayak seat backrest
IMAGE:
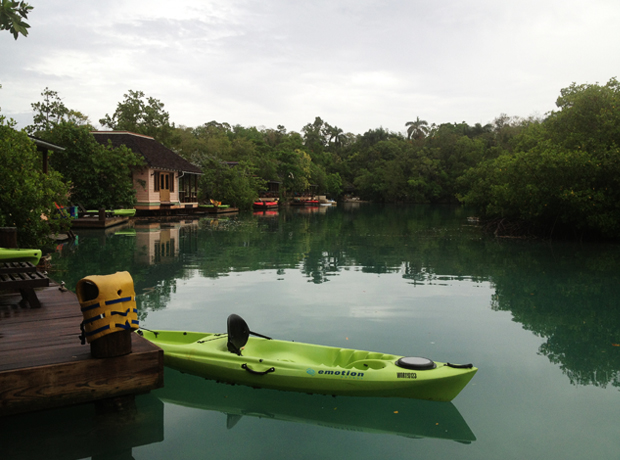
(238, 333)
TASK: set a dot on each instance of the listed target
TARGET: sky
(358, 64)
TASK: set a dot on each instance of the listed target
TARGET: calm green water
(540, 320)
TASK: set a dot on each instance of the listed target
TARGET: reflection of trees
(567, 298)
(102, 253)
(571, 299)
(565, 294)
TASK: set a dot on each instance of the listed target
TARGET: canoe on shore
(116, 212)
(262, 362)
(20, 255)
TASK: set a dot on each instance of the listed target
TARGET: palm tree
(336, 136)
(417, 129)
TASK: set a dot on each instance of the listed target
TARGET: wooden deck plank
(44, 365)
(17, 342)
(12, 267)
(26, 279)
(14, 317)
(63, 350)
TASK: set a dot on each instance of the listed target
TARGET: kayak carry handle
(460, 366)
(251, 371)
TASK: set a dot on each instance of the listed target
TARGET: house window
(188, 188)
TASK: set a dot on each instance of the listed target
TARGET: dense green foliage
(564, 173)
(100, 176)
(378, 165)
(558, 175)
(233, 185)
(26, 193)
(555, 175)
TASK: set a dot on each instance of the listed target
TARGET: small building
(168, 181)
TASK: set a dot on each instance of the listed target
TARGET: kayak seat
(238, 333)
(348, 359)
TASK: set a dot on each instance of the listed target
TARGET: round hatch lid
(416, 363)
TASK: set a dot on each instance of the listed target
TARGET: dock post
(111, 345)
(8, 237)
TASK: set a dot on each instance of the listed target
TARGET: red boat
(264, 204)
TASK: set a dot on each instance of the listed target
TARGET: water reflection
(81, 432)
(566, 293)
(402, 417)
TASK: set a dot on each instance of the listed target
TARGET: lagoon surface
(540, 320)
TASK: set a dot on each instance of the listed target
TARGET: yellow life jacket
(108, 304)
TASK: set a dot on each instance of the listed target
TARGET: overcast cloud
(358, 64)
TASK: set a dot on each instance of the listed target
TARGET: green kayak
(262, 362)
(115, 212)
(20, 255)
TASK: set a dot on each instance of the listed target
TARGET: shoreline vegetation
(553, 177)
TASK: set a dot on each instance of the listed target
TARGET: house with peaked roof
(168, 181)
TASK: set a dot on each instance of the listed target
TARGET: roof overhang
(46, 145)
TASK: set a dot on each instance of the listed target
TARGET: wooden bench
(25, 277)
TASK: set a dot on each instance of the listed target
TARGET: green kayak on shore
(20, 255)
(115, 212)
(236, 358)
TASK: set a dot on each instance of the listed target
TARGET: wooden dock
(96, 222)
(44, 365)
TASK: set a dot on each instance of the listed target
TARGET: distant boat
(305, 201)
(265, 204)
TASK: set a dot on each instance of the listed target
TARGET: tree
(51, 111)
(27, 195)
(417, 129)
(588, 119)
(141, 115)
(336, 136)
(564, 175)
(48, 112)
(101, 176)
(12, 14)
(235, 185)
(315, 136)
(294, 168)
